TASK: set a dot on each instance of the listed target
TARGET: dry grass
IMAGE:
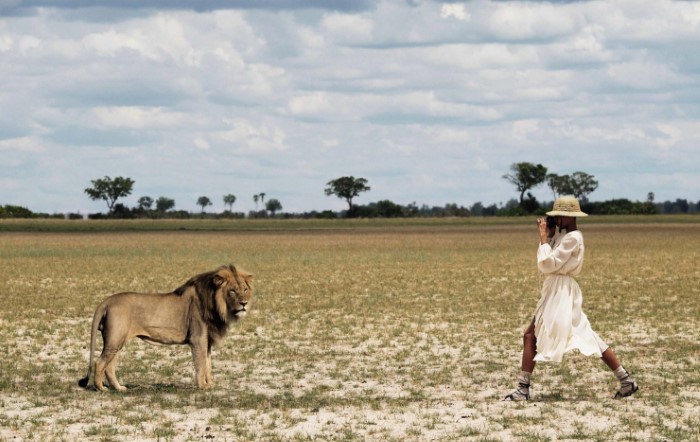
(393, 333)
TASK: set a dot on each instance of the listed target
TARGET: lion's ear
(247, 277)
(219, 280)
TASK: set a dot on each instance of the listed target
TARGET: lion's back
(148, 307)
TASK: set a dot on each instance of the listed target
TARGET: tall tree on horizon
(273, 205)
(204, 202)
(346, 187)
(110, 190)
(164, 204)
(582, 184)
(145, 203)
(525, 176)
(229, 200)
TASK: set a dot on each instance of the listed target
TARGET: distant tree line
(111, 189)
(525, 176)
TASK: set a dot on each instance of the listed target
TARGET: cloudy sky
(430, 101)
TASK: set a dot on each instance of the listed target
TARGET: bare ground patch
(392, 337)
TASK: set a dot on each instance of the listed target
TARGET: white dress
(560, 324)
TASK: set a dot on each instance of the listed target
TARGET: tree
(525, 176)
(10, 211)
(204, 202)
(582, 184)
(164, 204)
(145, 203)
(347, 187)
(389, 209)
(578, 184)
(229, 200)
(273, 205)
(110, 190)
(256, 197)
(262, 197)
(560, 184)
(477, 209)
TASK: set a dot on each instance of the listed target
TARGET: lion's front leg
(209, 379)
(199, 356)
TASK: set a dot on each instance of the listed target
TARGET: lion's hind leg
(101, 366)
(113, 340)
(110, 372)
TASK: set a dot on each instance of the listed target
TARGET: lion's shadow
(153, 388)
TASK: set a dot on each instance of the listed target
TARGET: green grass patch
(367, 329)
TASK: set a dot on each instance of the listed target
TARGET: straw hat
(566, 206)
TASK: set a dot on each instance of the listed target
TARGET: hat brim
(571, 214)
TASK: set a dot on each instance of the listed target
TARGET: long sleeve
(566, 252)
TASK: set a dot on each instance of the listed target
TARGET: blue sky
(430, 101)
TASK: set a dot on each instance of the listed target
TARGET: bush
(620, 206)
(326, 214)
(388, 209)
(10, 211)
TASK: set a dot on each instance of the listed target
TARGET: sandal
(517, 395)
(627, 387)
(626, 390)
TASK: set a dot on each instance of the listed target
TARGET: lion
(198, 314)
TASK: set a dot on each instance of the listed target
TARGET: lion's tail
(96, 321)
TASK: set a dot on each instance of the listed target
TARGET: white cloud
(245, 136)
(330, 143)
(138, 117)
(523, 128)
(23, 144)
(27, 44)
(456, 10)
(405, 149)
(671, 135)
(201, 143)
(6, 43)
(449, 135)
(479, 57)
(396, 92)
(531, 20)
(644, 74)
(347, 28)
(316, 104)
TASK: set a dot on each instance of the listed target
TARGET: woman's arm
(551, 260)
(542, 227)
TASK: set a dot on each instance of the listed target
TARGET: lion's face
(237, 291)
(241, 294)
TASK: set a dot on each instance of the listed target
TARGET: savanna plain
(358, 331)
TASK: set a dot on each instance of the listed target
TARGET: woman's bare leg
(522, 393)
(628, 386)
(610, 359)
(529, 349)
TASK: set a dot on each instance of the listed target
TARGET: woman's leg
(610, 359)
(529, 349)
(522, 393)
(628, 386)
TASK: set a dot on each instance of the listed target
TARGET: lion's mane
(206, 288)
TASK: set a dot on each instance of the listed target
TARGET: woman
(559, 324)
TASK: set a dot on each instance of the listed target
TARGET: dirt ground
(396, 336)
